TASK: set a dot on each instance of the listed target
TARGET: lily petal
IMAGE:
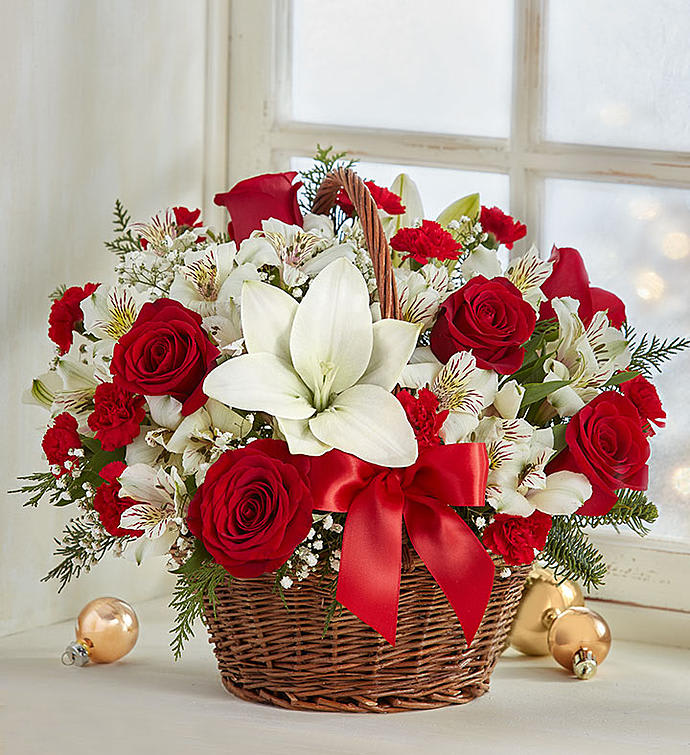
(300, 439)
(369, 422)
(394, 342)
(332, 333)
(564, 493)
(267, 315)
(260, 382)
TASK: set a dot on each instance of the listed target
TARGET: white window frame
(249, 131)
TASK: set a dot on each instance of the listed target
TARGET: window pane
(636, 242)
(438, 186)
(441, 67)
(617, 73)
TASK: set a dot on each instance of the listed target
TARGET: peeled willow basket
(281, 656)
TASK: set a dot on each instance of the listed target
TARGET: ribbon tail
(369, 576)
(456, 559)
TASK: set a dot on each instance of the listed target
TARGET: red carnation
(645, 399)
(186, 218)
(569, 278)
(60, 441)
(116, 416)
(66, 314)
(108, 503)
(429, 241)
(517, 538)
(505, 229)
(422, 413)
(384, 198)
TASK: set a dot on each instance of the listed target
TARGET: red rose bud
(109, 505)
(644, 397)
(569, 278)
(272, 195)
(384, 198)
(117, 416)
(605, 442)
(165, 353)
(429, 241)
(488, 318)
(253, 508)
(422, 413)
(505, 229)
(186, 218)
(516, 538)
(60, 441)
(66, 314)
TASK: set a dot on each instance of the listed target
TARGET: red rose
(569, 278)
(605, 442)
(429, 241)
(108, 503)
(516, 538)
(60, 440)
(422, 415)
(488, 318)
(116, 416)
(253, 508)
(505, 229)
(646, 400)
(384, 198)
(272, 195)
(186, 218)
(66, 314)
(165, 353)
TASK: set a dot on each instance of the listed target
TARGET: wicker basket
(282, 657)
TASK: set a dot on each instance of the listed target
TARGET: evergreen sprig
(325, 160)
(124, 241)
(632, 509)
(650, 351)
(570, 554)
(197, 582)
(58, 292)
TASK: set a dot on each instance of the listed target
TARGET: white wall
(99, 99)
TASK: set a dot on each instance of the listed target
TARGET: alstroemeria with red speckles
(384, 198)
(117, 415)
(428, 241)
(505, 230)
(62, 444)
(66, 314)
(422, 413)
(645, 399)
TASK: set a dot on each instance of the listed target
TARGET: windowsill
(147, 703)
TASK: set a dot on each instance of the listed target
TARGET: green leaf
(621, 377)
(559, 436)
(468, 207)
(537, 391)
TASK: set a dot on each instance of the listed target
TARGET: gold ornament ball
(108, 628)
(541, 602)
(580, 640)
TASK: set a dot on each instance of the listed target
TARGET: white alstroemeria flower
(563, 493)
(460, 386)
(110, 313)
(163, 495)
(421, 293)
(481, 261)
(225, 327)
(508, 399)
(588, 357)
(527, 273)
(323, 369)
(299, 252)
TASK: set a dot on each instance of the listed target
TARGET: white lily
(411, 200)
(110, 313)
(563, 493)
(460, 386)
(508, 399)
(421, 293)
(527, 273)
(322, 368)
(588, 357)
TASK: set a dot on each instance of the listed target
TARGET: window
(574, 116)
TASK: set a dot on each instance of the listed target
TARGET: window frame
(248, 95)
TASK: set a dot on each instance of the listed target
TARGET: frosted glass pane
(636, 242)
(443, 66)
(618, 73)
(438, 186)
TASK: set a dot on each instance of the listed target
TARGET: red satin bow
(377, 499)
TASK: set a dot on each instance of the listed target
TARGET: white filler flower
(322, 368)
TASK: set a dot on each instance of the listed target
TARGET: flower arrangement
(243, 402)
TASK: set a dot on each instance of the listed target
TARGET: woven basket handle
(377, 244)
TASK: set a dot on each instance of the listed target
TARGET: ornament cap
(584, 664)
(75, 654)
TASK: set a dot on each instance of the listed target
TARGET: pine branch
(570, 554)
(197, 582)
(651, 352)
(124, 241)
(58, 292)
(632, 509)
